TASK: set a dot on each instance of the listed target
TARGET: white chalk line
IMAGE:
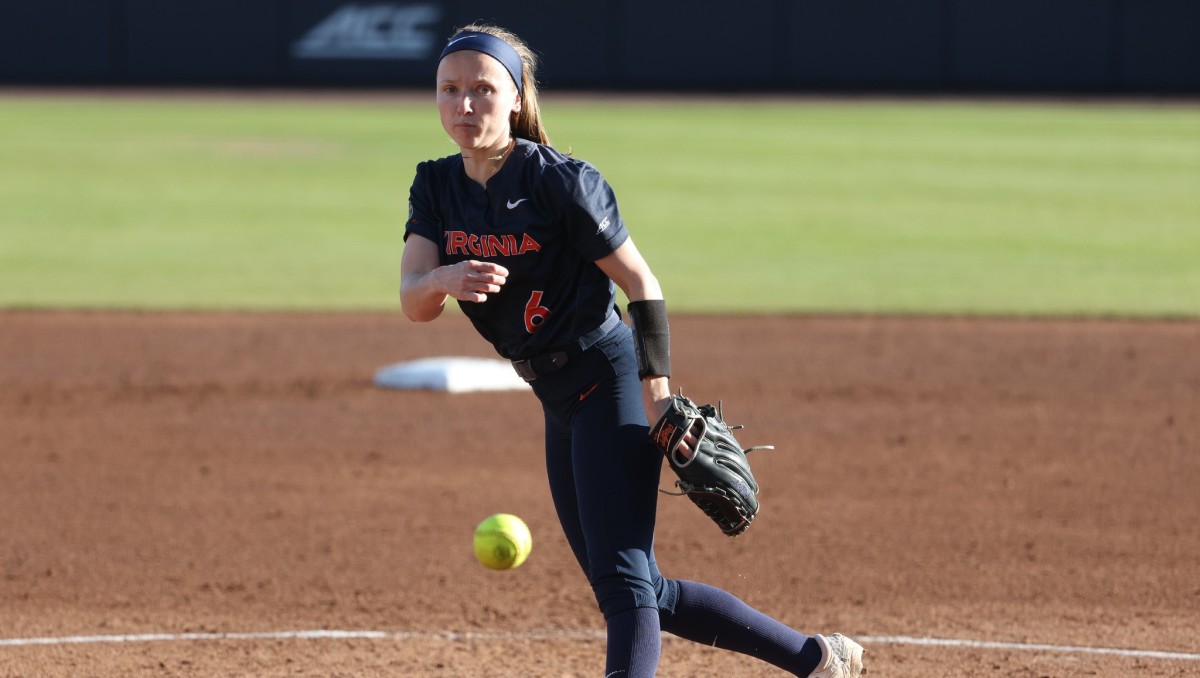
(583, 635)
(307, 635)
(1027, 647)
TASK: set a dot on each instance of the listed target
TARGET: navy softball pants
(604, 473)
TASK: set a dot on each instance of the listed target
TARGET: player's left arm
(628, 269)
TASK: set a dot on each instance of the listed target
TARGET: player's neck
(482, 164)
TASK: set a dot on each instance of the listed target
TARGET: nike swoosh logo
(512, 204)
(589, 391)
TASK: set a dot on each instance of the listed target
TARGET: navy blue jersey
(546, 218)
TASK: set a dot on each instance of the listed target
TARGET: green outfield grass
(776, 206)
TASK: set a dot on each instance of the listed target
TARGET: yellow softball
(502, 541)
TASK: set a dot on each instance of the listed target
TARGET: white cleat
(840, 658)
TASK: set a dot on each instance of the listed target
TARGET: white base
(453, 375)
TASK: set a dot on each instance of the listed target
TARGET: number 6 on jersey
(535, 314)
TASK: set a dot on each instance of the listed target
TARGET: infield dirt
(996, 480)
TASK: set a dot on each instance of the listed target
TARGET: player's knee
(617, 593)
(666, 592)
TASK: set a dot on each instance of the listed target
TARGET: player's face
(475, 98)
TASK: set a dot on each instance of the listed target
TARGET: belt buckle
(524, 369)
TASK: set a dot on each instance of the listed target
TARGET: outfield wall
(792, 45)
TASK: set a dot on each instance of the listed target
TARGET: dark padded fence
(1121, 46)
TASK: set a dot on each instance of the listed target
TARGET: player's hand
(471, 280)
(656, 398)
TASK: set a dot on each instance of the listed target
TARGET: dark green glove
(717, 477)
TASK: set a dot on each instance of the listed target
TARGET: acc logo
(377, 31)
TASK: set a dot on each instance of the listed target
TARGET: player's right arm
(425, 285)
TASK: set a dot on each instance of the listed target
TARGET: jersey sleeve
(589, 211)
(423, 216)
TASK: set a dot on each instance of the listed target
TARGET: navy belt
(549, 362)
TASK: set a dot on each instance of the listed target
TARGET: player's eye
(485, 89)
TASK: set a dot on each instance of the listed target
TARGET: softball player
(530, 243)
